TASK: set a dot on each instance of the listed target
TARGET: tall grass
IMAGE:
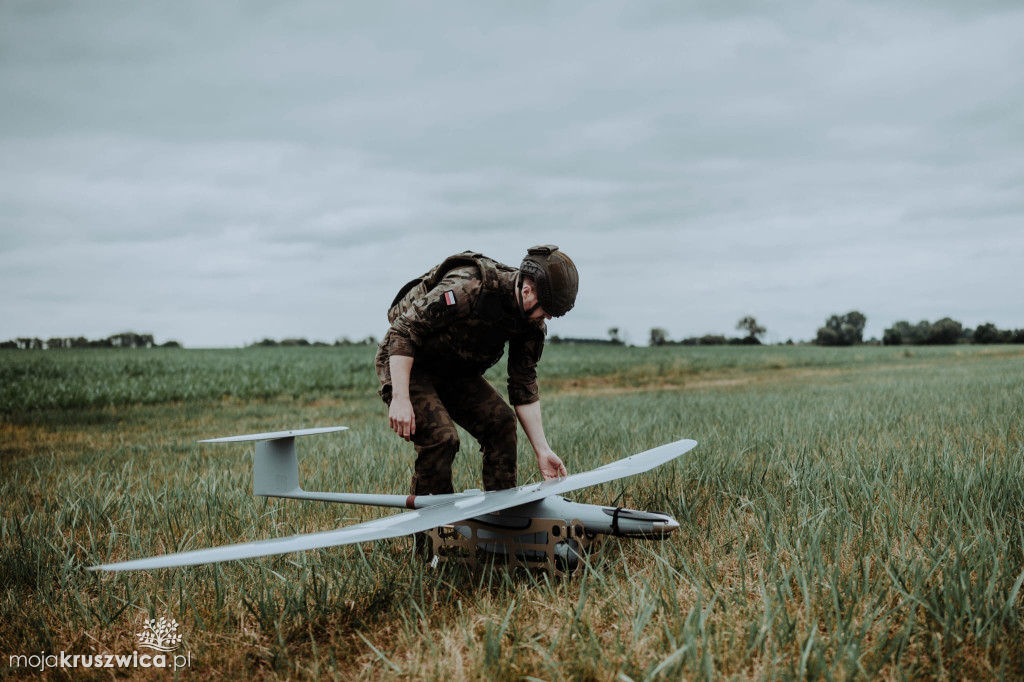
(861, 520)
(83, 378)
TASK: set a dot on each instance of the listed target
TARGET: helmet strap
(522, 309)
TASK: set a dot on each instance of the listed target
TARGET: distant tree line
(580, 341)
(134, 340)
(122, 340)
(947, 331)
(842, 330)
(343, 341)
(613, 339)
(839, 330)
(659, 337)
(989, 333)
(848, 330)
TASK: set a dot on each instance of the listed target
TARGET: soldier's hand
(551, 465)
(401, 418)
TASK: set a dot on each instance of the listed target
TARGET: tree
(920, 332)
(900, 332)
(659, 337)
(986, 333)
(753, 329)
(828, 336)
(946, 331)
(130, 340)
(711, 340)
(892, 337)
(845, 330)
(613, 334)
(853, 327)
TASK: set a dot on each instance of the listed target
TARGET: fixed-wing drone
(530, 525)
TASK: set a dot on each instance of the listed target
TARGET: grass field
(848, 513)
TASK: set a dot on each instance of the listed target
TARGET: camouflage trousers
(472, 403)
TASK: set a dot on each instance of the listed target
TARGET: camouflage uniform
(455, 332)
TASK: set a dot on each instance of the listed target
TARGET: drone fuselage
(617, 521)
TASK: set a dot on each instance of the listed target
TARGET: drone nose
(665, 527)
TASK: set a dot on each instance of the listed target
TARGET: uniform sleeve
(452, 299)
(523, 355)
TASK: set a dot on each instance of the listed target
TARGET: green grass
(848, 513)
(87, 378)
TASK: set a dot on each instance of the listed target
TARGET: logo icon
(161, 635)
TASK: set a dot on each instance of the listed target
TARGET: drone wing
(418, 520)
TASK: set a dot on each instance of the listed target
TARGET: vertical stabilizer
(275, 464)
(275, 467)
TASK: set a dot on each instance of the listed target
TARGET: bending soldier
(447, 328)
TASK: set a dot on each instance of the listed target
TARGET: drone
(532, 525)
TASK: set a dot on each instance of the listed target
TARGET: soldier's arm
(401, 417)
(524, 354)
(450, 300)
(548, 462)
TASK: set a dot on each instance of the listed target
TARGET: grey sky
(217, 173)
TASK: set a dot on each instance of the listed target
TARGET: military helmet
(555, 277)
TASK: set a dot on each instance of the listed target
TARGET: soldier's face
(538, 316)
(529, 300)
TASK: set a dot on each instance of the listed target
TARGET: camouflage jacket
(458, 328)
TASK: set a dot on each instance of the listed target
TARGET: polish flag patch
(449, 298)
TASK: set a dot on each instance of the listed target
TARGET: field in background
(852, 512)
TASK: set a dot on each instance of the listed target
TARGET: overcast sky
(217, 173)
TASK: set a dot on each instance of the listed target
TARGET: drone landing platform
(548, 544)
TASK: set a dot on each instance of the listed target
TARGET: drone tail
(275, 468)
(276, 472)
(275, 464)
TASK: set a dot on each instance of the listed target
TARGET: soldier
(447, 328)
